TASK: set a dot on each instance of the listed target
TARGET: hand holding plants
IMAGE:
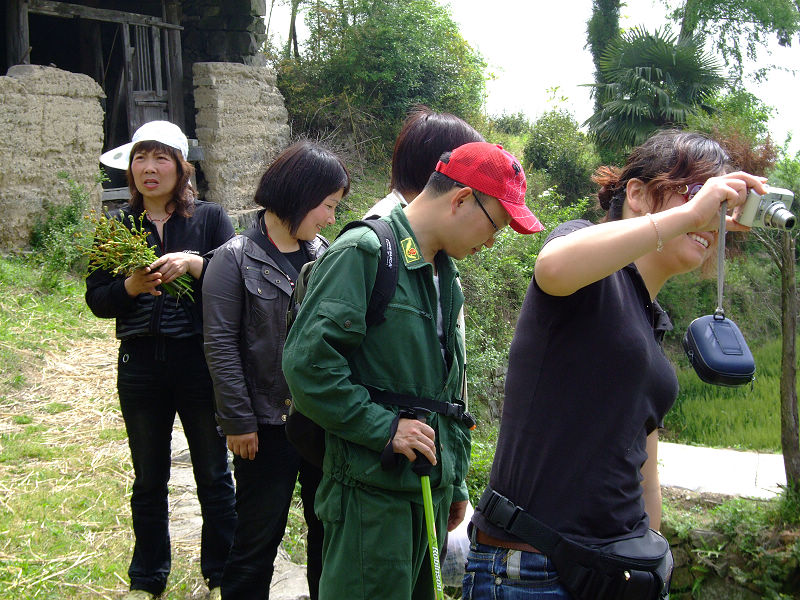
(120, 250)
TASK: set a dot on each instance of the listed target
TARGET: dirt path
(84, 379)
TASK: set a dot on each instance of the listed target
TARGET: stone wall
(242, 125)
(51, 121)
(708, 566)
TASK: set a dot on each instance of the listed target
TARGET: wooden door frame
(18, 40)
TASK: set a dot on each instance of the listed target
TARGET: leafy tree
(601, 29)
(739, 120)
(367, 62)
(654, 80)
(557, 147)
(739, 27)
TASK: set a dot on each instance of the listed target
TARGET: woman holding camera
(588, 383)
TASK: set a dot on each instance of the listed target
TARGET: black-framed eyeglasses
(689, 190)
(496, 228)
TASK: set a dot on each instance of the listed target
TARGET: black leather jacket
(245, 298)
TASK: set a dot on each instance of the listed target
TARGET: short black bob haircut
(425, 135)
(298, 180)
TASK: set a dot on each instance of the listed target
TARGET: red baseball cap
(495, 172)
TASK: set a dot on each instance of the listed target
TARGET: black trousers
(157, 378)
(264, 488)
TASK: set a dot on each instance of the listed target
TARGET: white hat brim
(118, 158)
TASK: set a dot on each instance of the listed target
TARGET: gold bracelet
(660, 243)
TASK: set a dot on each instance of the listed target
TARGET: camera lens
(778, 217)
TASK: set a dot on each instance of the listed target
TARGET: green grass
(65, 468)
(746, 417)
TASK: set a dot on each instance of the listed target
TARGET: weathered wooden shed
(140, 52)
(82, 76)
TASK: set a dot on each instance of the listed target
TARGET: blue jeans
(501, 574)
(264, 488)
(157, 378)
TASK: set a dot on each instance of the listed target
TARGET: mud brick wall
(51, 120)
(229, 31)
(242, 124)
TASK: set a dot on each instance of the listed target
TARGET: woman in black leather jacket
(246, 295)
(161, 368)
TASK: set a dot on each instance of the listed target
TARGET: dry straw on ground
(71, 399)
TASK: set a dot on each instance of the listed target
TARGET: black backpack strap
(388, 269)
(448, 409)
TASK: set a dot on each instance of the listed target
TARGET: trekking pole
(422, 467)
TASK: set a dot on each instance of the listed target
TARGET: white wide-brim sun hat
(156, 131)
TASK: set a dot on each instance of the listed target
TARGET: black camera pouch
(713, 343)
(632, 569)
(718, 352)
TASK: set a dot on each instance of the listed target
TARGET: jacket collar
(408, 247)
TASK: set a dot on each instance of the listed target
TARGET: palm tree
(651, 81)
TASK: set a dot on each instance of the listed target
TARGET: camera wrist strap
(719, 312)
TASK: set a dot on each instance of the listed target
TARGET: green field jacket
(330, 355)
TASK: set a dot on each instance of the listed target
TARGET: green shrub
(484, 443)
(557, 147)
(56, 238)
(513, 123)
(366, 64)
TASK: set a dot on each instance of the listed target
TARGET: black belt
(448, 409)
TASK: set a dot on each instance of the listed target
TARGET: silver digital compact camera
(768, 210)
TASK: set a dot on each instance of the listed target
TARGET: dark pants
(264, 488)
(159, 377)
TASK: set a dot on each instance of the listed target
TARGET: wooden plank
(127, 53)
(17, 37)
(157, 79)
(65, 9)
(174, 66)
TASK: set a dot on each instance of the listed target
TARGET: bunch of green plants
(53, 236)
(367, 63)
(769, 561)
(514, 123)
(122, 250)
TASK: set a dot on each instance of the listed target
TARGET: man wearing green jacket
(358, 382)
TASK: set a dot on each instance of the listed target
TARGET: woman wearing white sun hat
(162, 370)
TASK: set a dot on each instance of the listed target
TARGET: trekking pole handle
(420, 465)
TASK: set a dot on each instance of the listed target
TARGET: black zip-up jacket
(247, 295)
(207, 228)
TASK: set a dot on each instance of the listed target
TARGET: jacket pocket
(264, 333)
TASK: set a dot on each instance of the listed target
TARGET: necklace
(154, 220)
